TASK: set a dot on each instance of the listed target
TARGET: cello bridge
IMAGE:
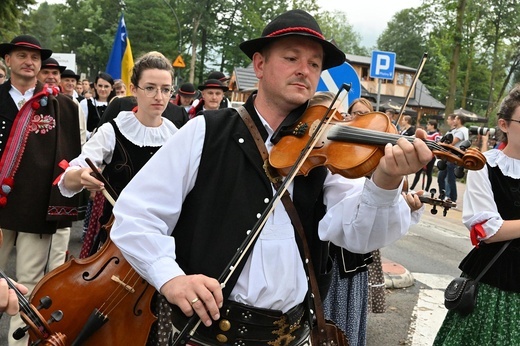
(125, 286)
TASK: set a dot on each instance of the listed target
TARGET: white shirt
(361, 217)
(100, 147)
(19, 98)
(479, 203)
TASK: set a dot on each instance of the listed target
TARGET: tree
(10, 16)
(405, 35)
(335, 26)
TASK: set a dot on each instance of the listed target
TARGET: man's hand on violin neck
(401, 159)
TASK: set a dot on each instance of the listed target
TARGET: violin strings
(349, 133)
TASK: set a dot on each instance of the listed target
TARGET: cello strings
(25, 306)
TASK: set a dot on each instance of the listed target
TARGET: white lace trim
(141, 135)
(510, 167)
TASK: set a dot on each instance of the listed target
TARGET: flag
(121, 62)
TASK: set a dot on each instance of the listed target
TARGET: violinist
(182, 218)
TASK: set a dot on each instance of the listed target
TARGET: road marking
(429, 312)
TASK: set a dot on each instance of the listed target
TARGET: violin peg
(459, 172)
(441, 164)
(434, 210)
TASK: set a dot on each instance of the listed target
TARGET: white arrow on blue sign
(382, 65)
(333, 78)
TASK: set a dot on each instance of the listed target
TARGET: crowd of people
(191, 184)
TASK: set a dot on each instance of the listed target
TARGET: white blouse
(479, 203)
(100, 147)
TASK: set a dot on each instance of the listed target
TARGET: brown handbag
(323, 332)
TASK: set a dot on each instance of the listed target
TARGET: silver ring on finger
(193, 301)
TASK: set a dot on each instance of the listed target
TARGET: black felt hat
(300, 23)
(218, 75)
(52, 63)
(187, 89)
(213, 84)
(70, 74)
(24, 41)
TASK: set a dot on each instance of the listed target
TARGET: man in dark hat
(225, 103)
(51, 74)
(212, 91)
(185, 96)
(37, 132)
(69, 81)
(212, 190)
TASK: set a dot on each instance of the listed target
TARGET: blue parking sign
(382, 65)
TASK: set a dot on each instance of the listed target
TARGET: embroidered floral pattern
(42, 123)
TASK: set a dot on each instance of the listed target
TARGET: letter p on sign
(382, 65)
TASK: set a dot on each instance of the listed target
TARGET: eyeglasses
(516, 121)
(359, 113)
(151, 91)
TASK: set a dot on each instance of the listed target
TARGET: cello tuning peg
(45, 303)
(20, 332)
(56, 316)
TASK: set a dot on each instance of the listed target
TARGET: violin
(353, 149)
(440, 201)
(39, 328)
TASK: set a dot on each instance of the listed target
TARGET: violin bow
(194, 321)
(412, 87)
(109, 192)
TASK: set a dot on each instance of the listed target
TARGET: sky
(368, 17)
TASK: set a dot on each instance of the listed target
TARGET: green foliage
(207, 33)
(335, 26)
(10, 17)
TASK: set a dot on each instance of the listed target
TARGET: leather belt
(244, 325)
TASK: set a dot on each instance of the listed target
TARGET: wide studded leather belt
(244, 325)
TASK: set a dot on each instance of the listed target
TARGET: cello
(103, 300)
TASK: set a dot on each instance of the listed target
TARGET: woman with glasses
(358, 107)
(124, 144)
(491, 212)
(95, 106)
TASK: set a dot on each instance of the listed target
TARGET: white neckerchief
(142, 135)
(19, 98)
(509, 166)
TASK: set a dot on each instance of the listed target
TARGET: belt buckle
(284, 332)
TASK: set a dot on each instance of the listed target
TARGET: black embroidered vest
(231, 191)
